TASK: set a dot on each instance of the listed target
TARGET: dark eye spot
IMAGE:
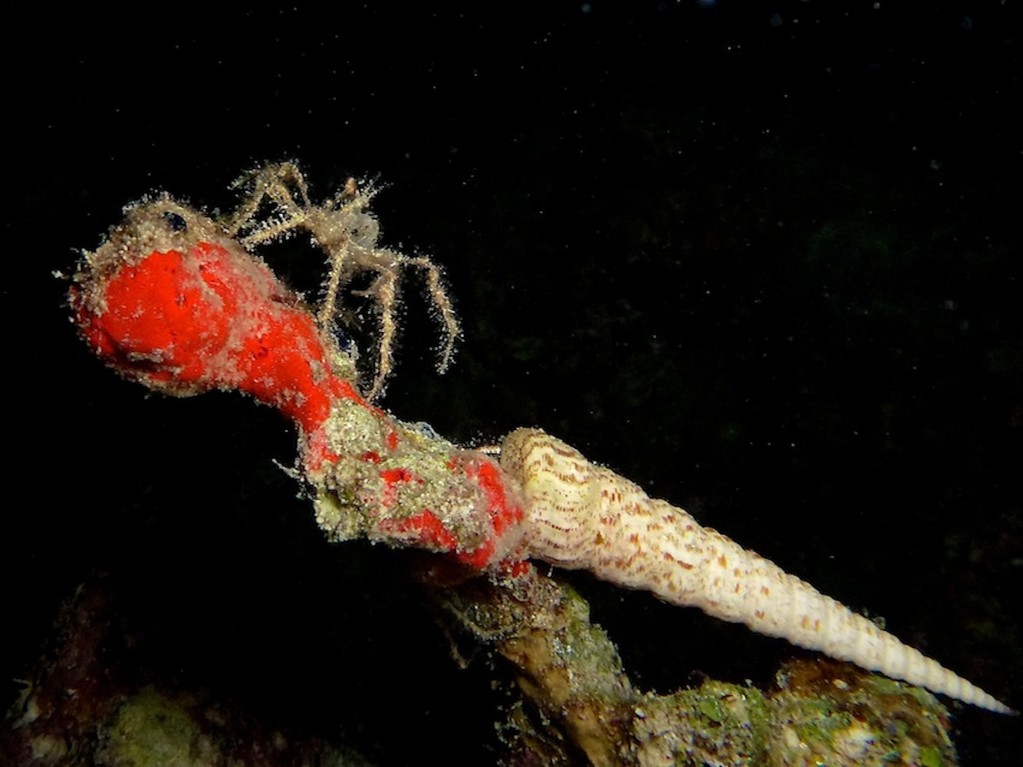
(175, 221)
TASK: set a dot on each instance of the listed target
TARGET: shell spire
(584, 516)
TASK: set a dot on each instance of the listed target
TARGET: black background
(766, 262)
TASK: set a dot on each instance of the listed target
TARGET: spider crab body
(344, 229)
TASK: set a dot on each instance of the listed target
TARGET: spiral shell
(583, 516)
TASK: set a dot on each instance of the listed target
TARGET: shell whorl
(584, 516)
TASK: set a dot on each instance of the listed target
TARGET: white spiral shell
(583, 516)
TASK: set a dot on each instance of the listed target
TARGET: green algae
(151, 730)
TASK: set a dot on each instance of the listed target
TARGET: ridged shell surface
(584, 516)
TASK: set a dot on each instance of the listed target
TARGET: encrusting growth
(174, 300)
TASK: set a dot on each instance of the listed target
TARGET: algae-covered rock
(826, 712)
(97, 700)
(151, 730)
(578, 705)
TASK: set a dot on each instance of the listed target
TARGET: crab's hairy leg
(288, 171)
(271, 183)
(439, 295)
(256, 183)
(385, 290)
(336, 257)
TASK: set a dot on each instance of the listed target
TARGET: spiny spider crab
(348, 234)
(174, 300)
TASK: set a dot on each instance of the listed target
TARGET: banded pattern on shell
(584, 516)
